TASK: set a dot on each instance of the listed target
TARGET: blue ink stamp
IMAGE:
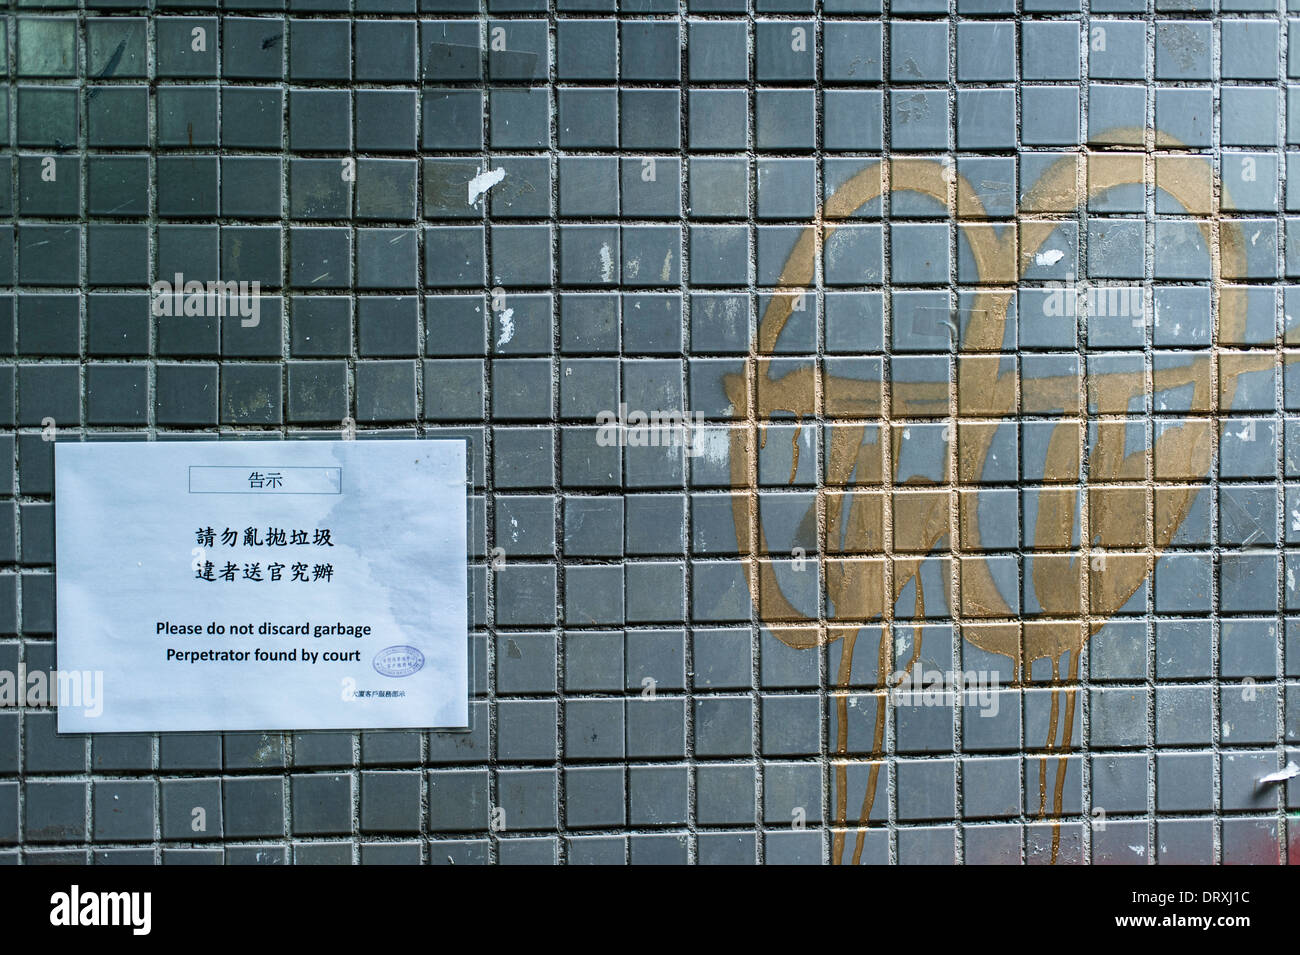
(399, 661)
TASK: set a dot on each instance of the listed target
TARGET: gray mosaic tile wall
(842, 234)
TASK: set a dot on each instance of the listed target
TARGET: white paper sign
(254, 585)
